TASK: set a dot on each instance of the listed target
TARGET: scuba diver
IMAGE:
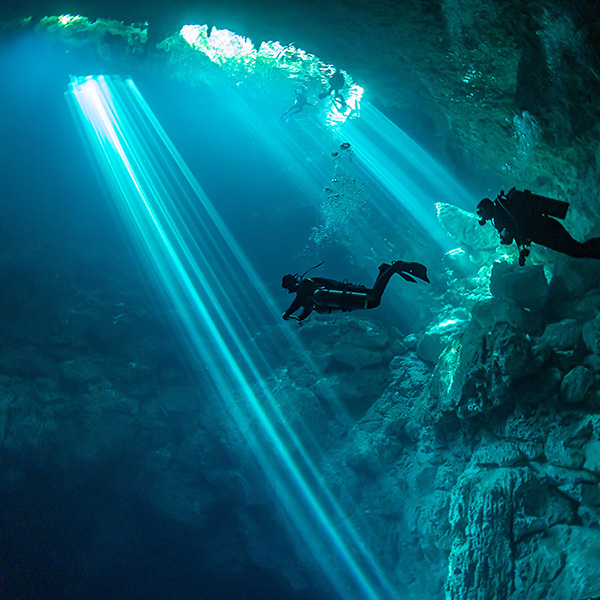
(328, 295)
(299, 103)
(527, 218)
(336, 83)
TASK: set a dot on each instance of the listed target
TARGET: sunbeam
(198, 269)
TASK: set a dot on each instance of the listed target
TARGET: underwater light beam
(160, 203)
(409, 177)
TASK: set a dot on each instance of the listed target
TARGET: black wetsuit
(329, 295)
(518, 219)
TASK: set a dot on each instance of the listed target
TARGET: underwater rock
(477, 372)
(566, 284)
(321, 354)
(494, 514)
(561, 564)
(591, 335)
(591, 452)
(79, 372)
(538, 506)
(354, 343)
(409, 376)
(490, 311)
(28, 426)
(26, 361)
(458, 262)
(564, 335)
(180, 399)
(302, 410)
(560, 454)
(526, 286)
(436, 338)
(357, 390)
(540, 388)
(576, 384)
(367, 334)
(482, 555)
(356, 357)
(463, 227)
(582, 308)
(497, 453)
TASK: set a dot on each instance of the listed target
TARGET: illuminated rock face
(472, 452)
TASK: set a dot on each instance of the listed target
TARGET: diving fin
(324, 94)
(418, 270)
(406, 277)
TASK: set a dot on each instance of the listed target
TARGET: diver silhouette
(299, 103)
(336, 83)
(328, 295)
(527, 218)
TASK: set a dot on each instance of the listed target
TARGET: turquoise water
(150, 451)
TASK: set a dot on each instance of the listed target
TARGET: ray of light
(403, 180)
(199, 269)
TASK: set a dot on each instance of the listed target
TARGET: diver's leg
(550, 233)
(373, 299)
(385, 274)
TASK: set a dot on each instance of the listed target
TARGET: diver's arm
(506, 237)
(294, 306)
(304, 314)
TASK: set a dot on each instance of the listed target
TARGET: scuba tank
(540, 205)
(327, 300)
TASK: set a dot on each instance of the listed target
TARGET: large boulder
(576, 384)
(591, 335)
(564, 335)
(463, 227)
(526, 286)
(478, 370)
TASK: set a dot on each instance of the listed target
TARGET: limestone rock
(482, 554)
(79, 373)
(493, 515)
(558, 453)
(564, 335)
(366, 334)
(477, 371)
(497, 453)
(489, 311)
(591, 335)
(526, 286)
(436, 337)
(592, 456)
(300, 410)
(356, 357)
(562, 564)
(576, 384)
(463, 227)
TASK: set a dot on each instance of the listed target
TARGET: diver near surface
(328, 295)
(299, 103)
(527, 218)
(336, 83)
